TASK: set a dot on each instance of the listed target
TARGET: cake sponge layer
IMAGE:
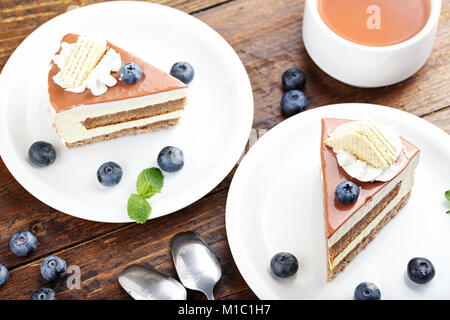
(368, 238)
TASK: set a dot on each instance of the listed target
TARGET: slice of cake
(381, 165)
(90, 102)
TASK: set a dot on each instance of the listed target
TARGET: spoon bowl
(143, 283)
(196, 265)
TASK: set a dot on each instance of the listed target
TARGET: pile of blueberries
(294, 100)
(24, 243)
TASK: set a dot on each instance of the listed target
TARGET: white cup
(366, 66)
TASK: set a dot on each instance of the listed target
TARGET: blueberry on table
(44, 294)
(293, 102)
(42, 154)
(347, 192)
(130, 73)
(367, 291)
(421, 270)
(109, 174)
(284, 264)
(53, 268)
(183, 71)
(293, 78)
(23, 243)
(170, 159)
(4, 274)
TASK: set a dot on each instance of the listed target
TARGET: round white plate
(275, 204)
(213, 131)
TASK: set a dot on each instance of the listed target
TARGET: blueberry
(284, 264)
(4, 274)
(293, 102)
(109, 174)
(23, 243)
(420, 270)
(183, 71)
(347, 192)
(293, 79)
(44, 294)
(130, 73)
(367, 291)
(42, 154)
(170, 159)
(53, 268)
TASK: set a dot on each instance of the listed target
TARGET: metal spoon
(143, 283)
(196, 265)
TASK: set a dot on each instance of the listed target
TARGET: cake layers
(350, 227)
(80, 125)
(155, 102)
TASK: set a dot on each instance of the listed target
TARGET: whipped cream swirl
(364, 172)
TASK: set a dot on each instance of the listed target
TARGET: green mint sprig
(447, 196)
(150, 182)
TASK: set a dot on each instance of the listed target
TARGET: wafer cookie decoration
(366, 141)
(82, 60)
(86, 63)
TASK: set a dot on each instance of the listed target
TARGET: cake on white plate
(374, 168)
(90, 102)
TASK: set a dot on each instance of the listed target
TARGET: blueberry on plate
(44, 294)
(130, 73)
(53, 268)
(42, 154)
(183, 71)
(293, 102)
(347, 192)
(284, 264)
(293, 78)
(420, 270)
(367, 291)
(4, 274)
(109, 174)
(23, 243)
(170, 159)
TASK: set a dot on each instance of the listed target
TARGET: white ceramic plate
(213, 131)
(275, 204)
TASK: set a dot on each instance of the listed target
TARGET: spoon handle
(209, 294)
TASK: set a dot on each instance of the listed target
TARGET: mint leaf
(138, 208)
(149, 182)
(447, 195)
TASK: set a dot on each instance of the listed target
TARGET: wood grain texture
(102, 259)
(18, 18)
(267, 37)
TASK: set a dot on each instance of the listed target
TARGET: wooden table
(266, 34)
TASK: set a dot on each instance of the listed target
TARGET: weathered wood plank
(19, 18)
(101, 260)
(440, 118)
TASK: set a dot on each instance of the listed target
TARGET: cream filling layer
(69, 123)
(407, 179)
(361, 213)
(78, 132)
